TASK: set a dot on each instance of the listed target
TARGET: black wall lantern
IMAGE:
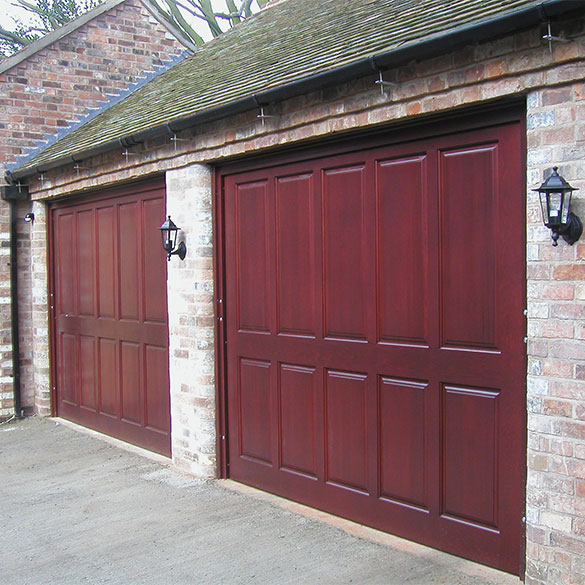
(169, 238)
(555, 201)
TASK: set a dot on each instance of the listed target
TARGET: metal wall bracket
(174, 139)
(78, 168)
(383, 84)
(264, 116)
(552, 38)
(128, 154)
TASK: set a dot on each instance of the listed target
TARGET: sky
(8, 12)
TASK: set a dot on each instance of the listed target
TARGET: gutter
(500, 25)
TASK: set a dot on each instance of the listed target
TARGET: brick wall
(44, 95)
(556, 330)
(519, 66)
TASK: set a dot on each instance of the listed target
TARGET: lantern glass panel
(544, 206)
(566, 208)
(555, 200)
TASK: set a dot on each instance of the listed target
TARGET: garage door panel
(87, 354)
(108, 361)
(469, 206)
(155, 307)
(129, 272)
(106, 261)
(65, 235)
(108, 312)
(69, 368)
(86, 259)
(343, 221)
(157, 399)
(131, 382)
(403, 306)
(295, 237)
(255, 410)
(346, 429)
(299, 439)
(252, 256)
(470, 455)
(403, 449)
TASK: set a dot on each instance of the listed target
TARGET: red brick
(557, 407)
(552, 97)
(569, 272)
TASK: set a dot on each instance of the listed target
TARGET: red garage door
(110, 315)
(374, 328)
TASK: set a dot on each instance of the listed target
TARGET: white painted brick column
(191, 322)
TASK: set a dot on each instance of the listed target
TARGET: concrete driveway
(77, 509)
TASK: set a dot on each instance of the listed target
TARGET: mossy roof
(280, 45)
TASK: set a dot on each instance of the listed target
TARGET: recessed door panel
(346, 430)
(87, 355)
(296, 255)
(470, 455)
(109, 384)
(343, 222)
(403, 306)
(255, 410)
(157, 400)
(69, 368)
(298, 402)
(106, 260)
(469, 199)
(130, 390)
(86, 260)
(403, 442)
(65, 232)
(129, 274)
(155, 307)
(253, 256)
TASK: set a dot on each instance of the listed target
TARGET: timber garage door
(374, 333)
(110, 315)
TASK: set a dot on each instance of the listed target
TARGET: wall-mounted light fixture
(555, 201)
(169, 238)
(29, 217)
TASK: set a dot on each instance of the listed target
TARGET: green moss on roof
(282, 44)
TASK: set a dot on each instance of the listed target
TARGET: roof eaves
(56, 35)
(474, 32)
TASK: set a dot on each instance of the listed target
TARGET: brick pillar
(555, 495)
(39, 264)
(191, 322)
